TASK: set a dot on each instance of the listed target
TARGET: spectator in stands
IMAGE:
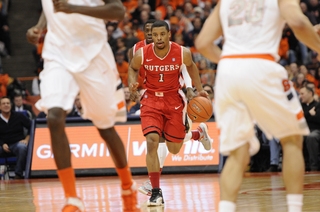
(147, 8)
(19, 106)
(311, 110)
(163, 8)
(158, 15)
(112, 42)
(314, 9)
(188, 11)
(122, 47)
(206, 14)
(130, 39)
(144, 17)
(198, 13)
(286, 54)
(316, 92)
(122, 67)
(129, 103)
(136, 13)
(77, 108)
(170, 13)
(209, 89)
(305, 11)
(206, 74)
(294, 70)
(5, 35)
(184, 23)
(307, 75)
(314, 63)
(300, 82)
(12, 138)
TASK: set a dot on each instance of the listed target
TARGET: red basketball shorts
(164, 115)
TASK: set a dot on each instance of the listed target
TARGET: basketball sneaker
(156, 198)
(204, 136)
(146, 188)
(73, 204)
(130, 199)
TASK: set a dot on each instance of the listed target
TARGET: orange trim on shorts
(300, 115)
(120, 105)
(259, 56)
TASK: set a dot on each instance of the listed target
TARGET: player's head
(147, 30)
(160, 34)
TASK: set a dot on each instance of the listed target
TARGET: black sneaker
(156, 198)
(273, 168)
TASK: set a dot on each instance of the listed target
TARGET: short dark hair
(150, 21)
(18, 95)
(309, 89)
(4, 97)
(160, 24)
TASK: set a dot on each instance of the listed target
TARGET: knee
(152, 143)
(56, 117)
(22, 148)
(174, 150)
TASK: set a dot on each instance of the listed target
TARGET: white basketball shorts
(101, 92)
(249, 90)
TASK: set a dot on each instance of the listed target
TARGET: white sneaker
(73, 204)
(204, 136)
(146, 188)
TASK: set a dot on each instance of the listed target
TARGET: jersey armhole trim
(134, 49)
(181, 54)
(141, 56)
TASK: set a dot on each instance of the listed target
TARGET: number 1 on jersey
(161, 78)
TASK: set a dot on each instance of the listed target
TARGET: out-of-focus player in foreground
(77, 58)
(251, 86)
(163, 105)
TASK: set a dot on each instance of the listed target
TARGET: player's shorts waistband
(247, 56)
(162, 93)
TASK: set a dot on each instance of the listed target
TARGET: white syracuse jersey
(251, 27)
(73, 36)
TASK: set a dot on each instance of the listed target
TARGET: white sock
(187, 137)
(294, 202)
(162, 153)
(227, 206)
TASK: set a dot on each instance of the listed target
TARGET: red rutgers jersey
(162, 74)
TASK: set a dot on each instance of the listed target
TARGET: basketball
(200, 109)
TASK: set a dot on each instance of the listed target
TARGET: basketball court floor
(182, 193)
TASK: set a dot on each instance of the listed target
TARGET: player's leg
(58, 91)
(293, 171)
(102, 100)
(283, 118)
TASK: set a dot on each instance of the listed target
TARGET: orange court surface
(182, 193)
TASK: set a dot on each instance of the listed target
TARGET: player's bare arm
(193, 71)
(133, 74)
(112, 10)
(210, 31)
(34, 33)
(290, 10)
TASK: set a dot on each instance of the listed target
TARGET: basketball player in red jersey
(148, 39)
(146, 188)
(163, 103)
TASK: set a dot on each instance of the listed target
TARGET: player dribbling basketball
(163, 103)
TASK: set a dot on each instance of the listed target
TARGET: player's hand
(33, 35)
(134, 94)
(6, 147)
(312, 111)
(24, 142)
(203, 93)
(190, 94)
(62, 6)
